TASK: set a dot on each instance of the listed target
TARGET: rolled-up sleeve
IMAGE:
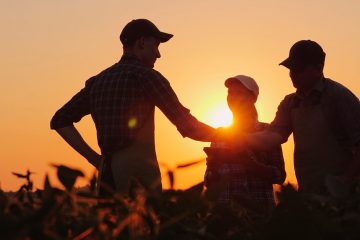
(73, 110)
(158, 88)
(282, 122)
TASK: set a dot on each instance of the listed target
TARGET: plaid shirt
(243, 186)
(120, 100)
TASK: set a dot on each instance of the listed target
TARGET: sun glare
(219, 116)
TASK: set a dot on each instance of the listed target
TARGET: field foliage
(53, 213)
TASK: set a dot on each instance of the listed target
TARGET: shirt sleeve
(349, 114)
(73, 110)
(159, 90)
(282, 122)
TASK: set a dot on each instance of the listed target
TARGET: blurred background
(50, 48)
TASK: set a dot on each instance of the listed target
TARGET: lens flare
(132, 122)
(219, 116)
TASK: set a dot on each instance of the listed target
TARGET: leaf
(4, 201)
(93, 182)
(171, 178)
(19, 175)
(47, 185)
(27, 175)
(185, 165)
(48, 189)
(68, 176)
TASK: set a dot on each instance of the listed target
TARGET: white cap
(248, 82)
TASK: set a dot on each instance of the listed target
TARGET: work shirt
(244, 186)
(339, 105)
(121, 99)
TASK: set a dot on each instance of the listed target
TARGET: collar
(317, 88)
(128, 58)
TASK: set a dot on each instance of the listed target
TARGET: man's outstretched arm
(72, 136)
(265, 140)
(158, 89)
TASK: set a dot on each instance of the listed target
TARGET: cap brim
(287, 63)
(231, 81)
(164, 37)
(292, 64)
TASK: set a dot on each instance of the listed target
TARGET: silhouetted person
(121, 100)
(251, 173)
(323, 116)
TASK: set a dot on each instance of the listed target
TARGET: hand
(232, 138)
(221, 135)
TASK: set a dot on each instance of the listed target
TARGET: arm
(264, 141)
(352, 172)
(275, 134)
(258, 169)
(71, 135)
(159, 90)
(63, 121)
(270, 165)
(348, 108)
(201, 132)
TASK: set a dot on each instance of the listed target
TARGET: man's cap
(248, 82)
(142, 28)
(304, 53)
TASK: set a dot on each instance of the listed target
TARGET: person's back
(122, 100)
(121, 95)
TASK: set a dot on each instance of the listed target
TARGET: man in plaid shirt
(248, 174)
(121, 100)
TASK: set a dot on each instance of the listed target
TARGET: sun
(219, 116)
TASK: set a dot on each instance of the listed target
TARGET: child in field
(250, 174)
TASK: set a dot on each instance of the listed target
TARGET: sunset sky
(50, 48)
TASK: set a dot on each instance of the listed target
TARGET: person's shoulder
(94, 79)
(289, 97)
(288, 101)
(261, 126)
(336, 89)
(334, 85)
(154, 73)
(155, 76)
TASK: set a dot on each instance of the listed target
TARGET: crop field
(53, 213)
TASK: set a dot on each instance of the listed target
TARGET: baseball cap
(304, 53)
(141, 28)
(248, 82)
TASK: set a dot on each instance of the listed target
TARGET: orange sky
(49, 48)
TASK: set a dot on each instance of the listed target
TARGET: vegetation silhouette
(72, 213)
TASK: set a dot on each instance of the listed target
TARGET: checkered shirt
(120, 100)
(245, 187)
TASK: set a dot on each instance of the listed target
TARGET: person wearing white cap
(251, 174)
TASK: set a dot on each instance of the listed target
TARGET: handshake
(229, 138)
(228, 147)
